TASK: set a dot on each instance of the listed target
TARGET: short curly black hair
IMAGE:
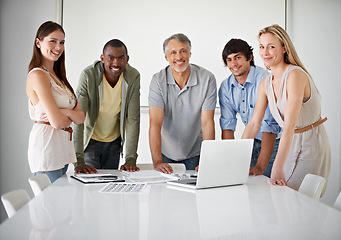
(115, 43)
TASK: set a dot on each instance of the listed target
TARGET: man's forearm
(267, 147)
(227, 134)
(207, 125)
(208, 131)
(78, 143)
(155, 144)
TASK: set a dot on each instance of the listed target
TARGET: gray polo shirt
(181, 134)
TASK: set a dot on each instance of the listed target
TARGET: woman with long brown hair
(52, 105)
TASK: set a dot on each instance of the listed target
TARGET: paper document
(123, 187)
(97, 178)
(148, 176)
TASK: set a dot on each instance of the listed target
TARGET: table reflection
(46, 222)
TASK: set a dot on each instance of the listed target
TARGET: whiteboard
(143, 25)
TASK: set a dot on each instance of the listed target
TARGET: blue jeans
(256, 151)
(55, 174)
(103, 155)
(190, 163)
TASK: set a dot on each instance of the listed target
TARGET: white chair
(337, 203)
(39, 183)
(312, 186)
(14, 200)
(177, 167)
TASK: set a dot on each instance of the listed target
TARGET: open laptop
(222, 163)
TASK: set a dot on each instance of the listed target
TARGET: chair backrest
(14, 200)
(312, 186)
(177, 167)
(337, 203)
(39, 183)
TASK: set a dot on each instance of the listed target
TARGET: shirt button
(242, 88)
(243, 100)
(243, 111)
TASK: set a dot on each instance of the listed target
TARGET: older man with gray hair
(182, 100)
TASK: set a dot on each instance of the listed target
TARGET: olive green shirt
(89, 94)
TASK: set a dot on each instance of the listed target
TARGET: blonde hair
(290, 56)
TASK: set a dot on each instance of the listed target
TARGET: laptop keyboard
(185, 175)
(192, 183)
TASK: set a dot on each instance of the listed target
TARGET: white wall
(19, 21)
(144, 31)
(314, 28)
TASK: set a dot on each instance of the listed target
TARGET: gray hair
(180, 37)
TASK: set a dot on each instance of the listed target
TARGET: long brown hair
(59, 66)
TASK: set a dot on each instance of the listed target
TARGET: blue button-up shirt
(236, 98)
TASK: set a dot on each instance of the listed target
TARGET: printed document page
(148, 176)
(123, 187)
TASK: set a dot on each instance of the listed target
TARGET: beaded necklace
(55, 78)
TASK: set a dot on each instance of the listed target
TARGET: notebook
(222, 163)
(97, 178)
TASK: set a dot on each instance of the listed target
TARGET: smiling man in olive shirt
(109, 95)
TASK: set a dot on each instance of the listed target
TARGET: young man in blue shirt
(238, 94)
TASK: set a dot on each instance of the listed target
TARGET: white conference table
(69, 209)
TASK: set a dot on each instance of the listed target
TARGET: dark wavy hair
(236, 46)
(59, 66)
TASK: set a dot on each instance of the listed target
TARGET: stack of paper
(149, 176)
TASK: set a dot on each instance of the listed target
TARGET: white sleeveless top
(310, 151)
(310, 110)
(49, 148)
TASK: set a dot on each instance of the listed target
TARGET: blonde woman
(294, 102)
(52, 105)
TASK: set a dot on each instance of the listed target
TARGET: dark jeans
(190, 163)
(103, 155)
(256, 151)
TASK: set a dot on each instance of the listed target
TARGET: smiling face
(178, 55)
(271, 50)
(115, 60)
(51, 46)
(239, 66)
